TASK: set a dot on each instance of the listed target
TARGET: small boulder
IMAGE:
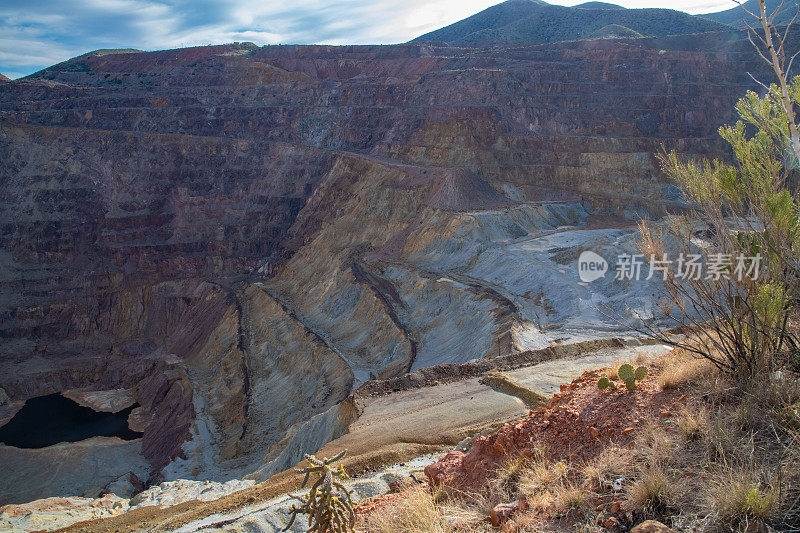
(652, 526)
(126, 486)
(504, 511)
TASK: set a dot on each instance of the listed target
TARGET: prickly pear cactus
(605, 383)
(628, 374)
(631, 375)
(329, 505)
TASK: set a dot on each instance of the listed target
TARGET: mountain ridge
(527, 22)
(736, 16)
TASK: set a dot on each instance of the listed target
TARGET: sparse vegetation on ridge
(715, 460)
(525, 22)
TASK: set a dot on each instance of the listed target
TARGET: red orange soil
(576, 425)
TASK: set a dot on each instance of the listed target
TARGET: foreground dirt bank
(394, 428)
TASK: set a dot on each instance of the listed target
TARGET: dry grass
(687, 465)
(729, 457)
(680, 369)
(736, 495)
(541, 476)
(569, 498)
(655, 446)
(694, 423)
(653, 493)
(723, 440)
(542, 503)
(554, 488)
(503, 486)
(643, 359)
(790, 484)
(780, 393)
(418, 511)
(612, 463)
(541, 484)
(613, 370)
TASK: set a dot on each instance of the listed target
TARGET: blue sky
(38, 33)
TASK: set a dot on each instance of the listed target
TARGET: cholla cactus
(328, 505)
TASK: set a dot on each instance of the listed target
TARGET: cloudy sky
(38, 33)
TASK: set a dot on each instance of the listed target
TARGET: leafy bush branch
(741, 323)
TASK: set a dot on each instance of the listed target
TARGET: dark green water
(48, 420)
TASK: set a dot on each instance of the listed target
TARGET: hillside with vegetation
(614, 31)
(736, 17)
(528, 22)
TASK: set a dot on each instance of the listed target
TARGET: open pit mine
(212, 257)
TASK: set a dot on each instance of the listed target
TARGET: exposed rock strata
(111, 401)
(54, 513)
(241, 236)
(68, 468)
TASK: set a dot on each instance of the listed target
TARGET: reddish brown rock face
(189, 224)
(578, 423)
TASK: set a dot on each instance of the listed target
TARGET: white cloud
(21, 46)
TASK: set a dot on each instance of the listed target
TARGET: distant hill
(735, 16)
(78, 63)
(3, 78)
(598, 5)
(534, 21)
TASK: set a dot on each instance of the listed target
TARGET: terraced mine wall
(444, 373)
(236, 238)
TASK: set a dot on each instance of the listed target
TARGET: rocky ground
(392, 427)
(688, 449)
